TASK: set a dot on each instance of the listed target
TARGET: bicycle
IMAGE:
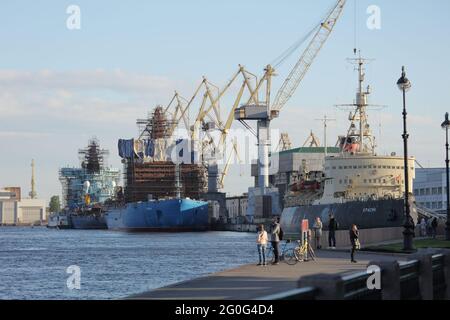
(300, 253)
(270, 254)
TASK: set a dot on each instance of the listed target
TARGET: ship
(163, 188)
(357, 185)
(89, 218)
(59, 220)
(89, 188)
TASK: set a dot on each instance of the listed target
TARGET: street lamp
(446, 125)
(408, 233)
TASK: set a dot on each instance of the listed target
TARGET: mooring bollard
(390, 279)
(329, 286)
(425, 258)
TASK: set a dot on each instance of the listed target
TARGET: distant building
(237, 208)
(430, 188)
(17, 211)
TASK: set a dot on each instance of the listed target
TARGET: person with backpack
(281, 233)
(275, 240)
(332, 228)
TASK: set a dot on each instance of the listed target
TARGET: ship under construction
(163, 184)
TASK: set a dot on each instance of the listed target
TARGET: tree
(55, 204)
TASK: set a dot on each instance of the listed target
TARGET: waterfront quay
(253, 282)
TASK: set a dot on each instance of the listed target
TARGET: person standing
(332, 228)
(434, 225)
(275, 239)
(318, 227)
(261, 241)
(423, 227)
(354, 239)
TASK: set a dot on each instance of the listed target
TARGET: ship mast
(363, 137)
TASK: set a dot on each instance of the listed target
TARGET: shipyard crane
(223, 174)
(284, 143)
(263, 111)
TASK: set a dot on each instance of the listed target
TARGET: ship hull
(88, 222)
(174, 215)
(58, 221)
(365, 214)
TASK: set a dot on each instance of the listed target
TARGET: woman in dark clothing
(354, 239)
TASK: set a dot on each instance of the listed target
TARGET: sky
(60, 86)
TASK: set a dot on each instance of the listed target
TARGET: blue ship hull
(173, 215)
(88, 222)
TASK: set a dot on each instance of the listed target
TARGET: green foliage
(55, 204)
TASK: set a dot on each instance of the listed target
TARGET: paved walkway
(251, 281)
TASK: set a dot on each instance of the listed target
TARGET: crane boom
(301, 68)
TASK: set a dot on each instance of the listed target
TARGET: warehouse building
(17, 211)
(430, 190)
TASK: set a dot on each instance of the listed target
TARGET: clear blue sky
(60, 87)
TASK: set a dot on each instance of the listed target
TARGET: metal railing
(409, 280)
(308, 293)
(355, 287)
(439, 285)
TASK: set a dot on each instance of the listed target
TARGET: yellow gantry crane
(263, 111)
(223, 174)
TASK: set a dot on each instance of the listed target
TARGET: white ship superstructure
(359, 173)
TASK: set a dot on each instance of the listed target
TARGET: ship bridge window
(345, 167)
(340, 167)
(355, 167)
(370, 167)
(334, 168)
(359, 167)
(398, 168)
(365, 167)
(379, 167)
(365, 180)
(384, 167)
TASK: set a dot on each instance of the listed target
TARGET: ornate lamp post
(446, 125)
(408, 233)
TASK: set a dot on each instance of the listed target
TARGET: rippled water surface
(34, 261)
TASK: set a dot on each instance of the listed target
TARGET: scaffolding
(93, 158)
(156, 126)
(157, 179)
(102, 180)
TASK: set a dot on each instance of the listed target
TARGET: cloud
(81, 95)
(23, 134)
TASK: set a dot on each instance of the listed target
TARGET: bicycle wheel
(289, 257)
(312, 254)
(299, 254)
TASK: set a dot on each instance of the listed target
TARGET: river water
(34, 261)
